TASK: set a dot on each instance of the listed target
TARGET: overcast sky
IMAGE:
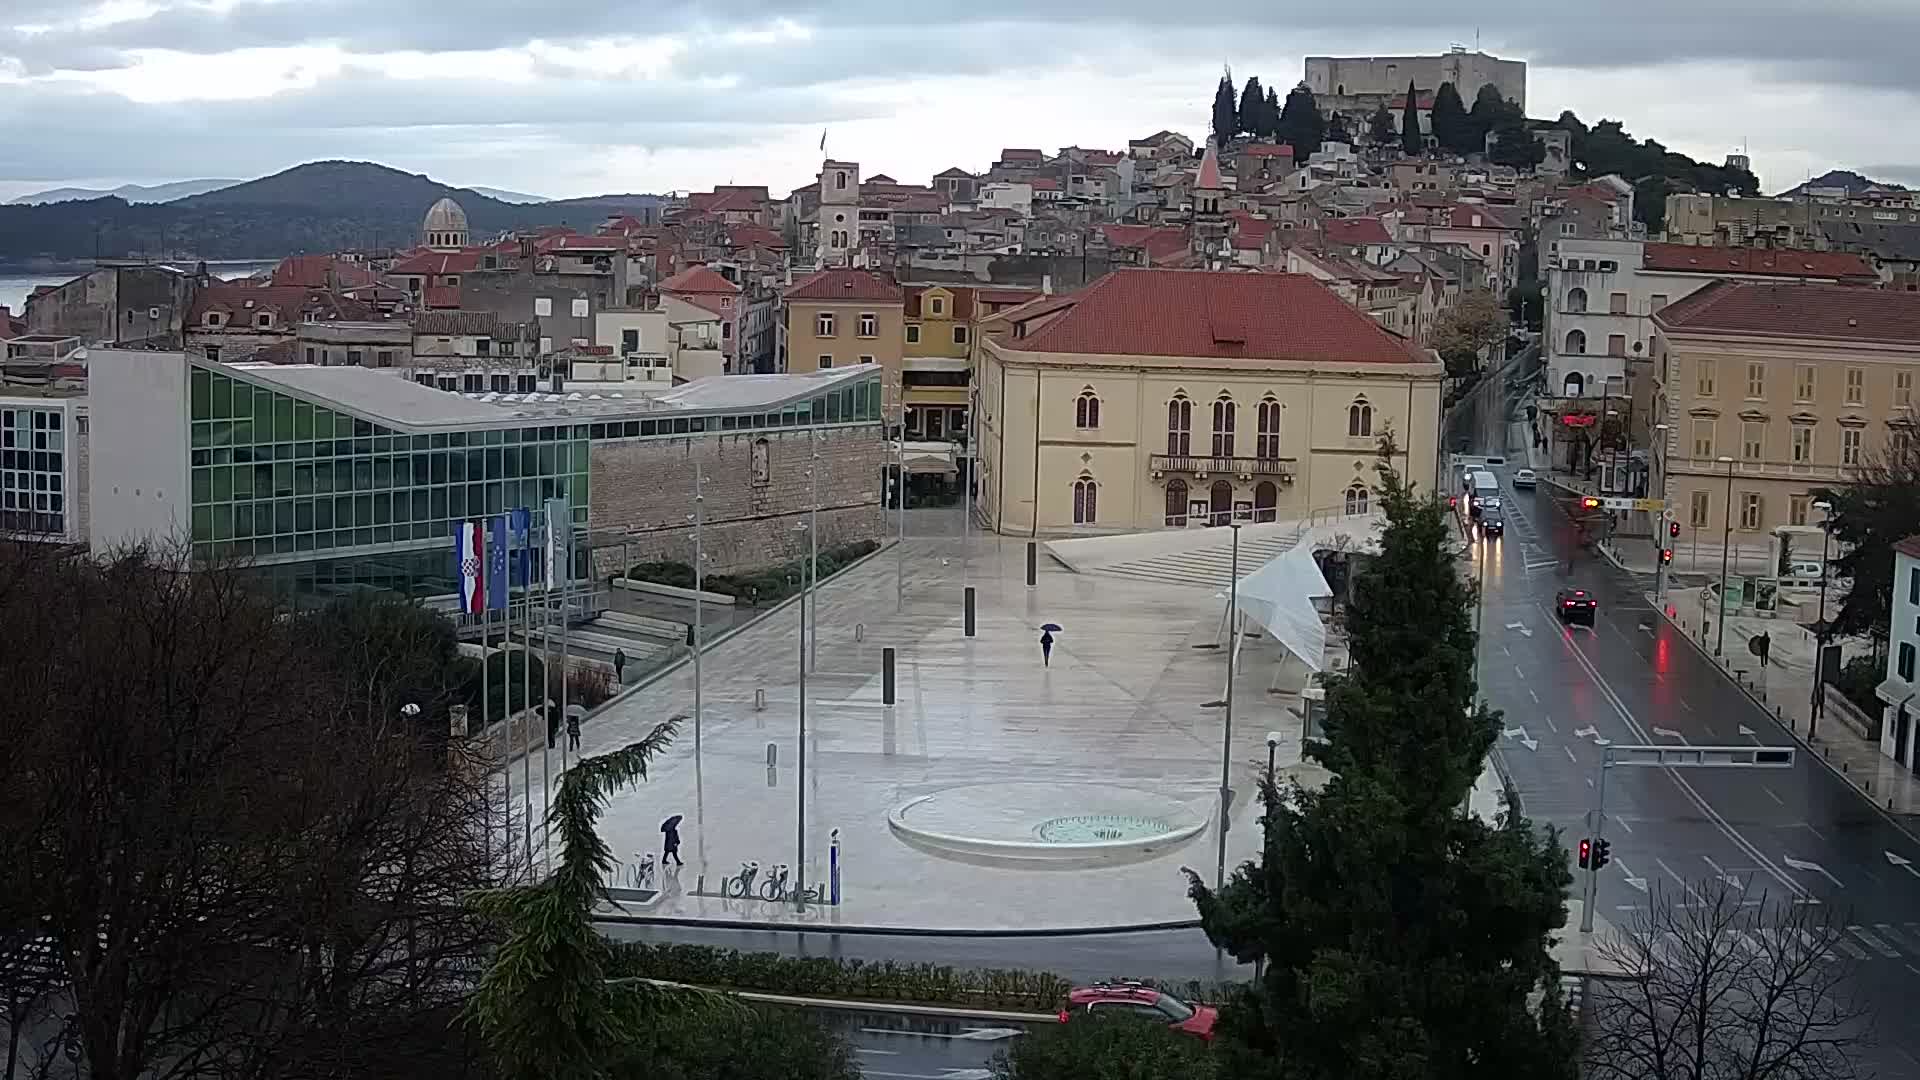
(580, 97)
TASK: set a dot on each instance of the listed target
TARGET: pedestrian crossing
(1828, 944)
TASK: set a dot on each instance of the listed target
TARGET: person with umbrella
(670, 841)
(1046, 643)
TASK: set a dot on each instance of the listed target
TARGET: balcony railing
(1235, 466)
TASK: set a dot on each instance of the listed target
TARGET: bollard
(1033, 564)
(759, 698)
(833, 868)
(886, 675)
(859, 631)
(773, 754)
(969, 605)
(689, 635)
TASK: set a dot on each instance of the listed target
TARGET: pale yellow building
(1181, 398)
(1794, 386)
(838, 318)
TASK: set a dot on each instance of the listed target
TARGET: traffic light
(1601, 854)
(1666, 556)
(1590, 503)
(1673, 529)
(1586, 851)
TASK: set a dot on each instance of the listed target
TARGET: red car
(1138, 999)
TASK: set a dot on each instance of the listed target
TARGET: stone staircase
(1212, 564)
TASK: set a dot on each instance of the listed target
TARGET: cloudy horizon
(681, 96)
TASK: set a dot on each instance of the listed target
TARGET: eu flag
(497, 563)
(520, 521)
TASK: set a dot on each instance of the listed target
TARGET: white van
(1485, 486)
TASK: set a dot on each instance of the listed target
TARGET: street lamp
(800, 763)
(1273, 743)
(1818, 705)
(699, 519)
(813, 531)
(1726, 545)
(1226, 736)
(1656, 489)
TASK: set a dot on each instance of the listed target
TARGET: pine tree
(1380, 126)
(1253, 104)
(1410, 140)
(1450, 127)
(1490, 112)
(1300, 124)
(1402, 936)
(1271, 112)
(1337, 130)
(1226, 118)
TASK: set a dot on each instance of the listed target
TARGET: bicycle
(741, 887)
(775, 885)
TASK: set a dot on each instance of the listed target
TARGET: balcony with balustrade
(1201, 466)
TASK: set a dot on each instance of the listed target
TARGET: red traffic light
(1666, 556)
(1586, 852)
(1590, 503)
(1673, 529)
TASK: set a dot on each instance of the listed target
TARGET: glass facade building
(33, 470)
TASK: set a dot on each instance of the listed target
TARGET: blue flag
(520, 522)
(497, 563)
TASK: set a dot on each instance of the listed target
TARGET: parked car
(1525, 479)
(1130, 998)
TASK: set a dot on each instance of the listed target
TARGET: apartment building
(839, 318)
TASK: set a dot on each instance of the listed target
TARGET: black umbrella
(671, 823)
(1051, 628)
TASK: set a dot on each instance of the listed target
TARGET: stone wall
(642, 496)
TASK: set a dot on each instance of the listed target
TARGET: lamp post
(1726, 545)
(1819, 703)
(1657, 489)
(699, 519)
(900, 498)
(1226, 735)
(800, 761)
(813, 538)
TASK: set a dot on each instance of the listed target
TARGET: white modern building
(1898, 688)
(43, 473)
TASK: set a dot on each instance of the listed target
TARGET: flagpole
(486, 724)
(546, 681)
(699, 609)
(566, 622)
(526, 686)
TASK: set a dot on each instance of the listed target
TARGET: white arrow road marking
(1888, 931)
(1745, 730)
(1875, 943)
(1813, 945)
(1666, 733)
(1648, 627)
(1581, 733)
(1522, 627)
(1636, 882)
(1520, 733)
(1799, 864)
(1732, 881)
(1903, 863)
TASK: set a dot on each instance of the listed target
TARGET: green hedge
(768, 585)
(819, 976)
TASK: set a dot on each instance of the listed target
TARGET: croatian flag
(470, 555)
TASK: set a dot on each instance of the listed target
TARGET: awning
(1893, 691)
(1280, 596)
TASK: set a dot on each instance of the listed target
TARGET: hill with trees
(319, 206)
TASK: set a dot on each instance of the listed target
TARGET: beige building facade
(1769, 392)
(1183, 398)
(839, 318)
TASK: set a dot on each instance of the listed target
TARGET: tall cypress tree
(1226, 118)
(1253, 106)
(1271, 111)
(1402, 936)
(1450, 127)
(1410, 140)
(1380, 126)
(1300, 125)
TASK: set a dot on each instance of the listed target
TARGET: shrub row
(819, 976)
(768, 585)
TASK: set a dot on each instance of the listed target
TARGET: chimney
(1046, 285)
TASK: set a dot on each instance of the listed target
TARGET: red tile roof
(846, 285)
(1909, 547)
(1160, 242)
(755, 236)
(1045, 183)
(1217, 315)
(1267, 150)
(441, 262)
(1006, 296)
(576, 242)
(721, 306)
(699, 280)
(320, 272)
(1836, 313)
(440, 297)
(963, 298)
(1835, 265)
(288, 304)
(1355, 232)
(1022, 155)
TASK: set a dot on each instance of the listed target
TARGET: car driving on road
(1525, 479)
(1138, 999)
(1575, 606)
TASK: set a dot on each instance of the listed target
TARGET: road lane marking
(1534, 696)
(1726, 828)
(1732, 881)
(1622, 822)
(1875, 943)
(1684, 883)
(1570, 756)
(1891, 933)
(1517, 671)
(1772, 796)
(1549, 719)
(1802, 864)
(1683, 703)
(1853, 950)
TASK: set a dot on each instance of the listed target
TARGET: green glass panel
(282, 516)
(832, 410)
(223, 522)
(222, 484)
(363, 511)
(322, 423)
(243, 431)
(303, 515)
(202, 523)
(243, 481)
(323, 514)
(579, 457)
(303, 479)
(222, 397)
(546, 461)
(202, 485)
(343, 512)
(422, 506)
(437, 508)
(202, 394)
(382, 473)
(282, 479)
(202, 434)
(262, 416)
(302, 420)
(282, 418)
(243, 520)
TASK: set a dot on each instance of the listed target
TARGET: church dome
(445, 225)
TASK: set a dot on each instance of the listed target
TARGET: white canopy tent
(1280, 597)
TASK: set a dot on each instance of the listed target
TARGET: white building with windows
(1900, 689)
(43, 468)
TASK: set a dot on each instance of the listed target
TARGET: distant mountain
(319, 206)
(1841, 178)
(133, 193)
(517, 197)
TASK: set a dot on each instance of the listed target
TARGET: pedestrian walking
(620, 666)
(1046, 648)
(573, 733)
(670, 841)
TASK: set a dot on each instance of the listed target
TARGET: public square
(1118, 725)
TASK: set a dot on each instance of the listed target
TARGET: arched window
(1266, 444)
(840, 181)
(1086, 410)
(1575, 385)
(1577, 342)
(1577, 300)
(1220, 503)
(1223, 418)
(1176, 503)
(1359, 419)
(1357, 498)
(1086, 494)
(1266, 501)
(1179, 426)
